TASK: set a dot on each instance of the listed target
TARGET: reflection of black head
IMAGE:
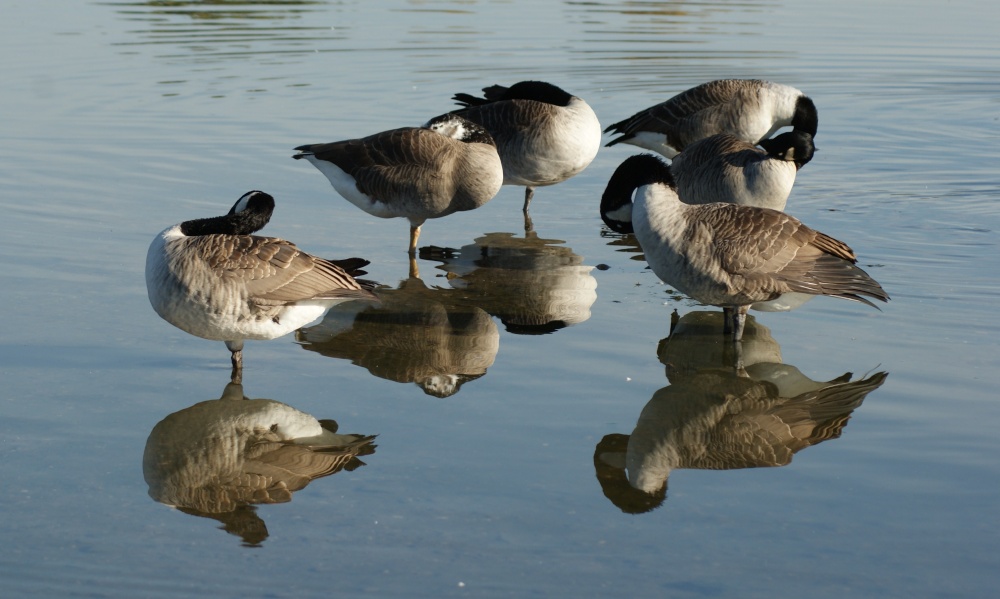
(437, 386)
(530, 328)
(614, 482)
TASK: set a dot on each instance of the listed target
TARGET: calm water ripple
(521, 376)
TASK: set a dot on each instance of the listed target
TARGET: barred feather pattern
(411, 172)
(750, 109)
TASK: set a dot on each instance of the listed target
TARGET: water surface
(497, 469)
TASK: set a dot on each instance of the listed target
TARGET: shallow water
(498, 466)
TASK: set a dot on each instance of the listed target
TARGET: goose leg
(529, 192)
(236, 347)
(727, 321)
(414, 235)
(739, 320)
(414, 269)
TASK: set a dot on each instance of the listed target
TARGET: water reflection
(219, 28)
(218, 458)
(711, 417)
(417, 334)
(533, 285)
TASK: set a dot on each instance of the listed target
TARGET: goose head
(248, 215)
(636, 171)
(793, 146)
(460, 128)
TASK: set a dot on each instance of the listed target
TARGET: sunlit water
(521, 386)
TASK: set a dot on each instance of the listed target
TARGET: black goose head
(636, 171)
(458, 127)
(793, 146)
(539, 91)
(248, 215)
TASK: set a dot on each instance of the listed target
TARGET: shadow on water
(712, 417)
(219, 458)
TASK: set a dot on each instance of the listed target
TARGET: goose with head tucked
(544, 134)
(418, 173)
(728, 255)
(749, 109)
(724, 168)
(214, 279)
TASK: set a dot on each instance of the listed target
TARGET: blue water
(122, 118)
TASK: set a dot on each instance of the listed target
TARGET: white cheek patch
(242, 203)
(622, 214)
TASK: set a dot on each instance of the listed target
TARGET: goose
(724, 168)
(448, 165)
(727, 255)
(750, 109)
(213, 279)
(544, 134)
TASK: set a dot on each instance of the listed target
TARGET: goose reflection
(713, 418)
(416, 335)
(218, 458)
(533, 285)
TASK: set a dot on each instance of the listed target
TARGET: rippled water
(520, 383)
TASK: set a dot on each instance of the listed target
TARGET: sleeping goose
(727, 255)
(749, 109)
(544, 134)
(213, 279)
(724, 168)
(448, 165)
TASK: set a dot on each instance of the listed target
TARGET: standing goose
(544, 134)
(727, 255)
(211, 278)
(724, 168)
(448, 165)
(749, 109)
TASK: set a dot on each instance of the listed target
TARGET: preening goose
(448, 165)
(544, 134)
(724, 168)
(213, 279)
(727, 255)
(749, 109)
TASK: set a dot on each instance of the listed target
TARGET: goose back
(750, 109)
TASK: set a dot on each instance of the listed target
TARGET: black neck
(635, 172)
(805, 118)
(240, 223)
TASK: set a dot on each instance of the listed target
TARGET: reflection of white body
(217, 455)
(414, 335)
(531, 284)
(712, 418)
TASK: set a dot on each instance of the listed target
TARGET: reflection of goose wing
(533, 285)
(720, 422)
(413, 336)
(218, 455)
